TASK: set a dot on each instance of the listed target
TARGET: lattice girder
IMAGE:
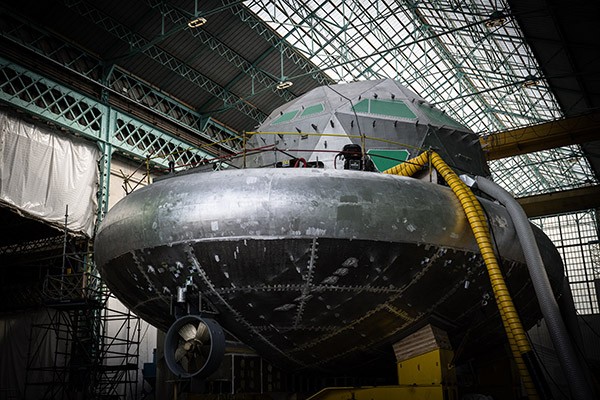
(115, 79)
(141, 44)
(83, 115)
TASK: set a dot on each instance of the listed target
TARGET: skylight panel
(543, 172)
(483, 75)
(433, 49)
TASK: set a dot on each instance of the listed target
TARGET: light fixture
(530, 81)
(497, 18)
(197, 22)
(284, 85)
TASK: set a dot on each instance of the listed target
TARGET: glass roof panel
(543, 171)
(442, 50)
(468, 58)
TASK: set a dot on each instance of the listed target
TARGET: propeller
(194, 346)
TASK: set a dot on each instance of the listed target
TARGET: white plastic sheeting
(16, 342)
(42, 172)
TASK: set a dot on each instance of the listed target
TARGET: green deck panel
(439, 117)
(311, 110)
(387, 158)
(285, 117)
(389, 108)
(362, 106)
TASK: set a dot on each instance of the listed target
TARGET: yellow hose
(515, 333)
(410, 167)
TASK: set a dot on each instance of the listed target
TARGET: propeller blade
(180, 352)
(204, 352)
(187, 332)
(185, 363)
(202, 333)
(194, 364)
(200, 355)
(204, 349)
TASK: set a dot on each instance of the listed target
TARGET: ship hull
(315, 269)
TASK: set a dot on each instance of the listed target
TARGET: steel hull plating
(313, 268)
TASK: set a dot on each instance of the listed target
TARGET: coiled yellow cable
(515, 333)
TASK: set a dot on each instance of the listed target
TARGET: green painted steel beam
(277, 44)
(89, 118)
(115, 80)
(143, 94)
(106, 150)
(534, 120)
(449, 58)
(49, 100)
(22, 32)
(331, 36)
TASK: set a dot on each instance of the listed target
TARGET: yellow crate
(431, 368)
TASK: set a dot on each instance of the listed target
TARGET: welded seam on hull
(381, 339)
(208, 283)
(315, 288)
(307, 286)
(283, 329)
(396, 296)
(399, 313)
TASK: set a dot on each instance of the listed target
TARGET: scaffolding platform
(95, 347)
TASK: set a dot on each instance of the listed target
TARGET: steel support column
(106, 150)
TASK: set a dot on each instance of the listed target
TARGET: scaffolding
(86, 347)
(575, 235)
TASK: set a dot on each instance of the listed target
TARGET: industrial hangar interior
(195, 200)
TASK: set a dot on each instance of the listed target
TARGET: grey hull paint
(313, 268)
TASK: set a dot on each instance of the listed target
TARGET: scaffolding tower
(87, 347)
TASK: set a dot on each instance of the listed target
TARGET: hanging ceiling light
(497, 18)
(530, 80)
(284, 85)
(197, 22)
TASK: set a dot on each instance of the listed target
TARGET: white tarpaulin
(16, 333)
(42, 172)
